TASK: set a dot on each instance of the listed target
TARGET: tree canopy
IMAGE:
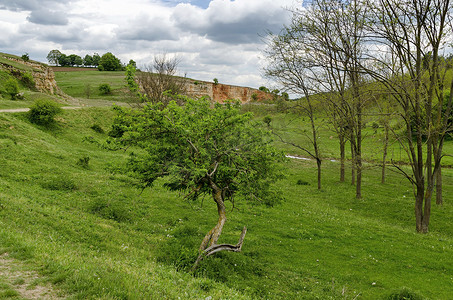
(200, 149)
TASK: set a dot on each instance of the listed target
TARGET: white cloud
(215, 39)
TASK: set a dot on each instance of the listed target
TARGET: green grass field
(89, 232)
(85, 85)
(70, 213)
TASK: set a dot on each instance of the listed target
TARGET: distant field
(84, 83)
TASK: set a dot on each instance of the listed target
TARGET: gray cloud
(232, 23)
(47, 17)
(148, 29)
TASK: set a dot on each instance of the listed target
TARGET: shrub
(43, 112)
(27, 80)
(97, 128)
(267, 119)
(404, 294)
(254, 97)
(83, 162)
(105, 89)
(12, 87)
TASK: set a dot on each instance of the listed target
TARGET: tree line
(349, 54)
(106, 62)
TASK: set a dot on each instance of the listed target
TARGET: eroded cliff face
(221, 92)
(43, 76)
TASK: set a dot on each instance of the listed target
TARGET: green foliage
(105, 89)
(58, 183)
(254, 97)
(195, 145)
(25, 57)
(43, 112)
(84, 162)
(96, 127)
(109, 62)
(12, 88)
(267, 120)
(27, 80)
(404, 294)
(216, 81)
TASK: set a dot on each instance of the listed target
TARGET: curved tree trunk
(213, 235)
(209, 244)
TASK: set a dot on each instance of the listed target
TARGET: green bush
(97, 128)
(105, 89)
(84, 162)
(404, 294)
(12, 87)
(43, 112)
(27, 80)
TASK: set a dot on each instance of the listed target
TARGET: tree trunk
(342, 159)
(439, 200)
(213, 235)
(209, 244)
(353, 162)
(384, 155)
(318, 163)
(419, 208)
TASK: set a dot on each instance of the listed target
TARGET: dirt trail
(25, 282)
(13, 110)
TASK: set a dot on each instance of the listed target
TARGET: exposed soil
(72, 69)
(25, 282)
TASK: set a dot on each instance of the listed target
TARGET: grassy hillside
(80, 83)
(83, 226)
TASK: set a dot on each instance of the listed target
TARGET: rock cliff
(43, 76)
(221, 92)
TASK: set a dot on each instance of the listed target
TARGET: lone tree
(201, 150)
(158, 83)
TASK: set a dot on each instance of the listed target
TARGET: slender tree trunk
(384, 155)
(353, 161)
(342, 158)
(318, 163)
(439, 199)
(419, 207)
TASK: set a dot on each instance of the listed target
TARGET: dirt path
(14, 110)
(23, 281)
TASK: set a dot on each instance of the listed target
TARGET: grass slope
(68, 214)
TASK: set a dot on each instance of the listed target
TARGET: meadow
(70, 212)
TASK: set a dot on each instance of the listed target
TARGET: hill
(70, 214)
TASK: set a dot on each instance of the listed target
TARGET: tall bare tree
(319, 54)
(158, 82)
(409, 36)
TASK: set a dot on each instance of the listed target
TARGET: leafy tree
(54, 57)
(109, 62)
(64, 60)
(201, 150)
(96, 59)
(12, 88)
(88, 60)
(25, 57)
(75, 60)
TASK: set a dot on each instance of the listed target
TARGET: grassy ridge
(91, 233)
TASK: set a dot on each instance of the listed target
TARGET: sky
(220, 39)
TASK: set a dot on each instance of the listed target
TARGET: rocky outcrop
(43, 76)
(221, 92)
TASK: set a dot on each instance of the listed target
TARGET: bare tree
(319, 54)
(408, 37)
(158, 83)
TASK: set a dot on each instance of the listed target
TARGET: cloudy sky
(214, 38)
